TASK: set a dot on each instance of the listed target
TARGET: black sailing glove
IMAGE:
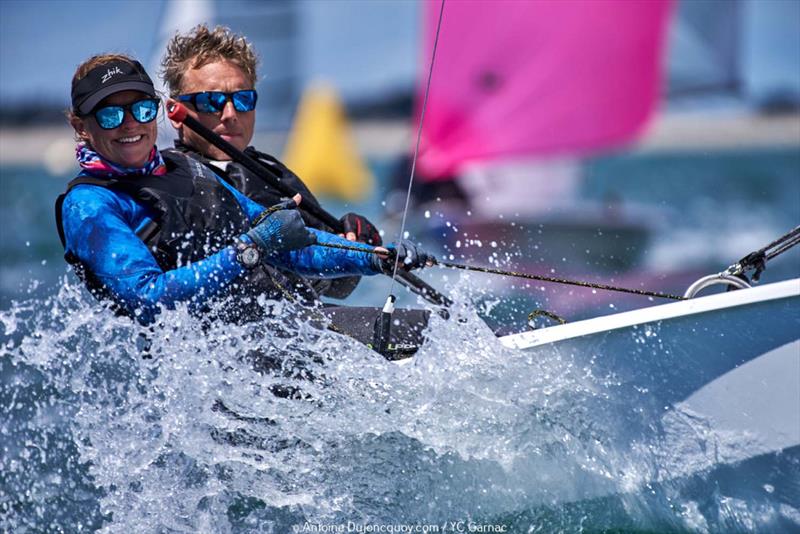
(281, 229)
(364, 230)
(409, 257)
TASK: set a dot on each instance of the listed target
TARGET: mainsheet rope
(416, 148)
(755, 260)
(527, 276)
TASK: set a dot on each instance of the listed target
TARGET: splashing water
(191, 427)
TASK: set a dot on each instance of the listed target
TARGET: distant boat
(517, 80)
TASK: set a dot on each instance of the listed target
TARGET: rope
(527, 276)
(754, 260)
(757, 260)
(560, 281)
(416, 147)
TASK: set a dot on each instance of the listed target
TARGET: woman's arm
(323, 262)
(316, 261)
(99, 230)
(250, 207)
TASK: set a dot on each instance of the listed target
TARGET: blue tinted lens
(144, 110)
(218, 100)
(202, 103)
(209, 102)
(244, 100)
(110, 117)
(214, 101)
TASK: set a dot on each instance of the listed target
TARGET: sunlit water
(201, 436)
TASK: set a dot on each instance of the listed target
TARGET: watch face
(250, 256)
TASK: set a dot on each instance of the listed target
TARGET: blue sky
(361, 46)
(42, 42)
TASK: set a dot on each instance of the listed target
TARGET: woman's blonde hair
(202, 46)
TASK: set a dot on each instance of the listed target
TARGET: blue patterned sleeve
(100, 230)
(313, 261)
(251, 208)
(322, 262)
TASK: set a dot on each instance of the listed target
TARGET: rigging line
(756, 260)
(528, 276)
(791, 234)
(786, 246)
(416, 147)
(559, 280)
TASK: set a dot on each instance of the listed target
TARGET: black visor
(107, 79)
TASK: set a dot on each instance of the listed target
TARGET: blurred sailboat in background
(523, 80)
(521, 91)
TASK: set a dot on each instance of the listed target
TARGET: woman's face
(128, 145)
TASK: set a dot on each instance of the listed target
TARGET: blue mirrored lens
(110, 117)
(214, 101)
(144, 110)
(218, 100)
(244, 100)
(209, 102)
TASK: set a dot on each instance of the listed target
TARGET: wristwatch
(247, 254)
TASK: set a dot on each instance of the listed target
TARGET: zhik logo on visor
(111, 72)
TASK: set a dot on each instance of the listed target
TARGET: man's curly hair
(202, 46)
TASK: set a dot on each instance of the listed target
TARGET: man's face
(235, 127)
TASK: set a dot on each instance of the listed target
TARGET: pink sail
(537, 78)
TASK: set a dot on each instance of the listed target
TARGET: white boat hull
(676, 349)
(723, 368)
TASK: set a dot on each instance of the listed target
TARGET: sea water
(180, 427)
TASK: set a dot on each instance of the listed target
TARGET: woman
(149, 230)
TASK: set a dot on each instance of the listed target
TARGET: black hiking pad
(358, 322)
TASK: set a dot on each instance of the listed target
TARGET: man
(213, 73)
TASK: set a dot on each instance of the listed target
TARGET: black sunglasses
(214, 101)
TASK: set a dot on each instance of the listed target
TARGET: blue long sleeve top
(100, 229)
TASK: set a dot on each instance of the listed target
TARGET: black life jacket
(194, 216)
(262, 191)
